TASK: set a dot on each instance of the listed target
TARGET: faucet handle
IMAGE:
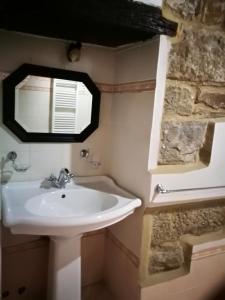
(51, 178)
(64, 170)
(68, 173)
(71, 175)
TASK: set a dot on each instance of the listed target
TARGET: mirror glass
(52, 105)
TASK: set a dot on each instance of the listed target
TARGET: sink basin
(71, 203)
(64, 215)
(30, 209)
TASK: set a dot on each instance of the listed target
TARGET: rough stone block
(170, 226)
(183, 8)
(181, 141)
(198, 222)
(214, 12)
(199, 56)
(179, 98)
(203, 112)
(162, 230)
(212, 97)
(168, 256)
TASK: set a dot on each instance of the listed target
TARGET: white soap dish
(19, 167)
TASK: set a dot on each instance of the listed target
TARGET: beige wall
(138, 62)
(131, 115)
(129, 137)
(45, 158)
(121, 142)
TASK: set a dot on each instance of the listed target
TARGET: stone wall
(168, 226)
(167, 235)
(195, 92)
(194, 101)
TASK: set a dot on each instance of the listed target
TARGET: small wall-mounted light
(74, 51)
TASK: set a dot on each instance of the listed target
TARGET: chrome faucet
(64, 178)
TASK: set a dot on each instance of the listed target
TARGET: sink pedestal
(64, 215)
(64, 275)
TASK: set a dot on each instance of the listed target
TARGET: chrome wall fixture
(85, 154)
(18, 167)
(161, 190)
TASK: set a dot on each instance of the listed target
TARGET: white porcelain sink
(71, 203)
(64, 214)
(29, 209)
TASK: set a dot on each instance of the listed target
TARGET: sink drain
(63, 196)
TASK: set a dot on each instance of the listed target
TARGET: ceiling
(104, 22)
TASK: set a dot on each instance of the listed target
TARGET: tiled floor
(96, 291)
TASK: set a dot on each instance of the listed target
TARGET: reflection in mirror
(51, 105)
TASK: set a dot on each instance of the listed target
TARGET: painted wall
(45, 159)
(122, 140)
(129, 138)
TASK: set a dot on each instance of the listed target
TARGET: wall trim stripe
(208, 252)
(128, 253)
(39, 243)
(126, 87)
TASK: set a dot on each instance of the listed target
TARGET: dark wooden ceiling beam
(105, 22)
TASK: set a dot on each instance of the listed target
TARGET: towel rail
(161, 190)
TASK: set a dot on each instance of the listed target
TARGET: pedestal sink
(64, 215)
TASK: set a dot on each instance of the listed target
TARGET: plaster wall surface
(129, 137)
(46, 158)
(121, 142)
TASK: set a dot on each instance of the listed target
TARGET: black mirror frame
(22, 72)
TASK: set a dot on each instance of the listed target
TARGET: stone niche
(194, 101)
(167, 251)
(195, 89)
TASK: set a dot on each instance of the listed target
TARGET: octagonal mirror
(43, 104)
